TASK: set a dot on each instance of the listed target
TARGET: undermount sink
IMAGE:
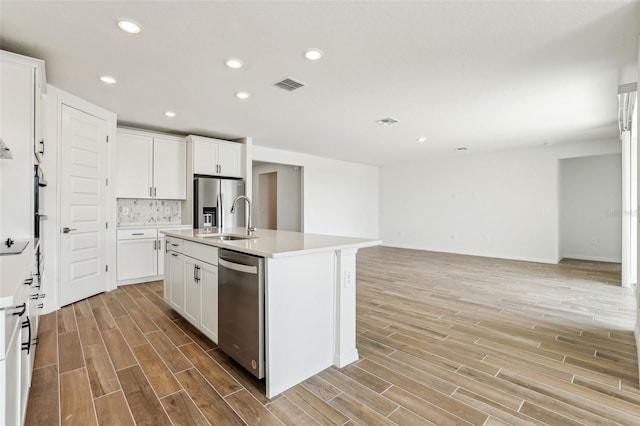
(227, 237)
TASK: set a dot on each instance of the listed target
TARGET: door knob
(66, 230)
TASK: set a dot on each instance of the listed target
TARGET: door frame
(52, 131)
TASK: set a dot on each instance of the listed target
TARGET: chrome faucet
(250, 228)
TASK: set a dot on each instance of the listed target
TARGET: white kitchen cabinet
(141, 254)
(18, 330)
(192, 290)
(214, 157)
(176, 282)
(209, 300)
(169, 168)
(151, 165)
(21, 86)
(137, 258)
(191, 284)
(135, 165)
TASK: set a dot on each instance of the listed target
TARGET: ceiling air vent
(387, 121)
(290, 84)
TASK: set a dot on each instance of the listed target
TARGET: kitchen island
(309, 295)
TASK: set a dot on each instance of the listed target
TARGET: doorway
(277, 196)
(590, 205)
(268, 196)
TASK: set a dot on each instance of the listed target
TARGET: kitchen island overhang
(309, 300)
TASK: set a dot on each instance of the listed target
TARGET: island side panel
(345, 334)
(299, 318)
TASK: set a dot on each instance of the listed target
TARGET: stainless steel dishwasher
(241, 309)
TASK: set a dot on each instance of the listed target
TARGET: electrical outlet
(349, 280)
(125, 211)
(167, 210)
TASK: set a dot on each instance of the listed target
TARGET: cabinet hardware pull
(40, 305)
(154, 191)
(174, 244)
(42, 144)
(137, 233)
(174, 254)
(26, 346)
(150, 191)
(28, 281)
(36, 341)
(24, 309)
(154, 245)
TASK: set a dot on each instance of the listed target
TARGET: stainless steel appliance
(241, 309)
(212, 200)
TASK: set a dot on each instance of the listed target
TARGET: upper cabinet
(215, 157)
(151, 165)
(21, 86)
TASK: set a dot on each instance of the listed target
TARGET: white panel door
(229, 158)
(135, 175)
(170, 169)
(83, 205)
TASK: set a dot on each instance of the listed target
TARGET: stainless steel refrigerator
(212, 200)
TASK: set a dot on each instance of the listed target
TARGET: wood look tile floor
(443, 339)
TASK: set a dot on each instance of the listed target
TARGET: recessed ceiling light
(421, 139)
(107, 79)
(129, 26)
(313, 54)
(234, 63)
(170, 114)
(242, 95)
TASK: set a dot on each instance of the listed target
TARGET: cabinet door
(161, 255)
(230, 159)
(11, 372)
(209, 300)
(191, 291)
(137, 258)
(205, 158)
(26, 337)
(176, 268)
(170, 169)
(135, 158)
(166, 268)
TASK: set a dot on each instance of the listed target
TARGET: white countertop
(14, 269)
(270, 243)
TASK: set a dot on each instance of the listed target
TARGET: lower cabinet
(18, 331)
(141, 254)
(191, 283)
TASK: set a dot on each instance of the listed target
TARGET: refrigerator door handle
(220, 211)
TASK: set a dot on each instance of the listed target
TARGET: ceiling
(483, 75)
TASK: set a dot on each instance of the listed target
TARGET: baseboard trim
(592, 258)
(476, 254)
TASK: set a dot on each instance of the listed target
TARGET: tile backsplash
(148, 212)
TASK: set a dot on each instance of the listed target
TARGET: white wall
(289, 197)
(502, 204)
(591, 200)
(339, 197)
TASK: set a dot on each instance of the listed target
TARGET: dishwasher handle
(247, 269)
